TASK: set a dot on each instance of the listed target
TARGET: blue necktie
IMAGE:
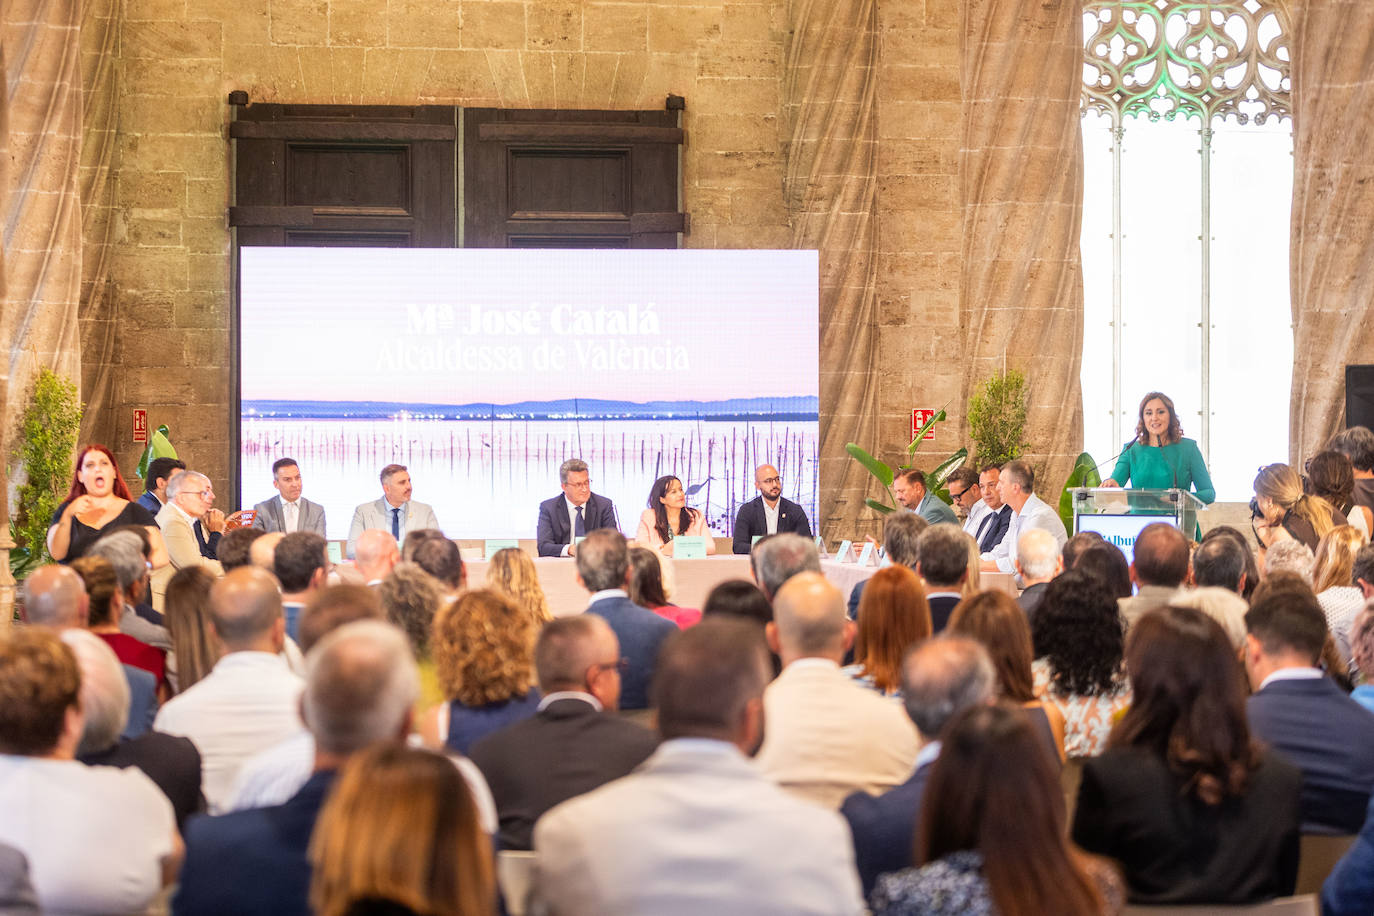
(396, 523)
(580, 526)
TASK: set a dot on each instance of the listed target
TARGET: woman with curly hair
(483, 647)
(1079, 646)
(512, 571)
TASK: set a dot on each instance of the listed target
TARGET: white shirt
(607, 593)
(770, 516)
(975, 518)
(249, 702)
(1292, 674)
(1035, 513)
(94, 836)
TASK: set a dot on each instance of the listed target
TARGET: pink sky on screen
(398, 324)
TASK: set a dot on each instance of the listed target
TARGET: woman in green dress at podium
(1160, 458)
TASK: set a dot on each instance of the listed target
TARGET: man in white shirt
(251, 700)
(1016, 487)
(394, 512)
(696, 828)
(288, 511)
(827, 735)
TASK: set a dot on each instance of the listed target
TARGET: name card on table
(335, 551)
(844, 554)
(755, 539)
(689, 548)
(866, 555)
(887, 561)
(820, 545)
(495, 544)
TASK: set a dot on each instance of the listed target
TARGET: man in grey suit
(288, 511)
(394, 512)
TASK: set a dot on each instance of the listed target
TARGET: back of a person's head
(809, 615)
(893, 616)
(400, 829)
(943, 677)
(1078, 629)
(603, 560)
(943, 555)
(1161, 556)
(1107, 564)
(39, 683)
(1021, 474)
(567, 647)
(102, 588)
(104, 691)
(1362, 642)
(902, 531)
(297, 558)
(1288, 621)
(512, 571)
(995, 789)
(411, 597)
(1289, 556)
(54, 596)
(124, 551)
(360, 684)
(1331, 476)
(739, 597)
(440, 558)
(1252, 575)
(482, 643)
(1362, 568)
(1037, 553)
(779, 557)
(1357, 444)
(332, 607)
(1219, 562)
(186, 613)
(245, 606)
(706, 676)
(1188, 701)
(414, 539)
(262, 552)
(236, 547)
(994, 619)
(1334, 563)
(1075, 546)
(646, 578)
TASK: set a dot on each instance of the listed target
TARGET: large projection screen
(482, 370)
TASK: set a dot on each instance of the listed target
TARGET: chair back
(1284, 906)
(514, 871)
(1317, 856)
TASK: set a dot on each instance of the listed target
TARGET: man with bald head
(768, 513)
(1159, 568)
(263, 553)
(827, 736)
(375, 556)
(1038, 560)
(250, 700)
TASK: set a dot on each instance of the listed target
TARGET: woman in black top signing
(99, 500)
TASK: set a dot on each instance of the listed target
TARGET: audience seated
(646, 587)
(1158, 571)
(1107, 564)
(1076, 544)
(17, 896)
(826, 735)
(1222, 605)
(893, 617)
(901, 535)
(991, 836)
(1079, 646)
(1183, 799)
(262, 552)
(510, 570)
(411, 598)
(142, 596)
(603, 568)
(482, 652)
(301, 564)
(441, 558)
(236, 547)
(1333, 580)
(397, 805)
(575, 742)
(98, 840)
(189, 506)
(172, 763)
(1357, 444)
(126, 553)
(186, 608)
(375, 556)
(993, 619)
(105, 607)
(1038, 560)
(1303, 715)
(940, 678)
(1349, 889)
(1362, 648)
(1224, 563)
(945, 560)
(1289, 556)
(697, 829)
(778, 557)
(360, 686)
(739, 598)
(250, 700)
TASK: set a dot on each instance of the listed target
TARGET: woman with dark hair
(1159, 457)
(1105, 564)
(98, 500)
(1075, 546)
(1184, 799)
(893, 616)
(1331, 476)
(668, 517)
(994, 619)
(186, 609)
(991, 834)
(646, 588)
(741, 598)
(1079, 644)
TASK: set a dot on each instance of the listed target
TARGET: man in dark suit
(901, 533)
(160, 470)
(768, 513)
(575, 742)
(942, 562)
(940, 678)
(288, 511)
(603, 568)
(573, 514)
(362, 685)
(997, 520)
(1303, 715)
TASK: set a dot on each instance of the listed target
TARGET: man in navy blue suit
(360, 689)
(768, 513)
(160, 470)
(1304, 716)
(940, 678)
(572, 515)
(603, 568)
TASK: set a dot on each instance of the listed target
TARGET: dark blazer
(209, 546)
(1327, 735)
(884, 827)
(170, 761)
(142, 701)
(567, 749)
(252, 861)
(941, 608)
(750, 521)
(554, 531)
(993, 528)
(1349, 890)
(150, 502)
(640, 632)
(1174, 849)
(1030, 599)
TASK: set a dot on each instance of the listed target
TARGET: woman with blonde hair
(483, 650)
(893, 616)
(400, 833)
(1281, 510)
(1333, 581)
(186, 609)
(512, 571)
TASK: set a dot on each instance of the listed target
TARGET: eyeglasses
(771, 480)
(584, 485)
(960, 495)
(622, 665)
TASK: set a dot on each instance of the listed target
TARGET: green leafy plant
(51, 424)
(1084, 474)
(885, 473)
(997, 418)
(159, 446)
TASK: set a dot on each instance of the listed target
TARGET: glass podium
(1119, 514)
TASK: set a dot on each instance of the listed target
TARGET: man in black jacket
(768, 513)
